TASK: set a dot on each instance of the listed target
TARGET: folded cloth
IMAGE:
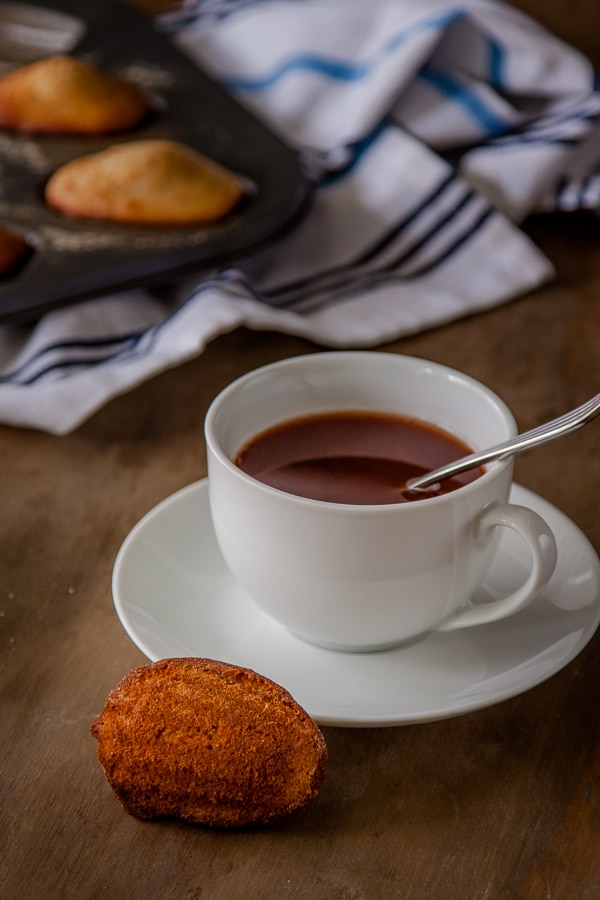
(429, 129)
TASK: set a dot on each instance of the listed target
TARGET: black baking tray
(73, 260)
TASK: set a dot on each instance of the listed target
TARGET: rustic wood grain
(495, 805)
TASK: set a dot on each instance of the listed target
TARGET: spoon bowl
(556, 428)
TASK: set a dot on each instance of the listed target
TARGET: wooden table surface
(499, 803)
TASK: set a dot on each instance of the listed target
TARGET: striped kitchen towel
(429, 129)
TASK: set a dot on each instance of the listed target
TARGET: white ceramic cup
(363, 578)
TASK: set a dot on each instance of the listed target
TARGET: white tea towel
(429, 130)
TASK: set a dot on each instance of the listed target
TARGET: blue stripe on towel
(123, 349)
(112, 347)
(577, 193)
(355, 151)
(338, 69)
(496, 65)
(310, 283)
(389, 275)
(565, 129)
(180, 16)
(463, 96)
(453, 246)
(364, 269)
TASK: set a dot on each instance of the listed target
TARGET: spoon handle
(537, 436)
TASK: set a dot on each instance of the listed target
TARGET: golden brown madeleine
(147, 182)
(63, 95)
(208, 742)
(13, 251)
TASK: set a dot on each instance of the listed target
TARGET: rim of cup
(492, 470)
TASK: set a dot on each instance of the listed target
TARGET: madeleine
(14, 250)
(208, 742)
(151, 182)
(63, 95)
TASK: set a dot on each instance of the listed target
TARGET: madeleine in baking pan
(14, 250)
(147, 182)
(64, 95)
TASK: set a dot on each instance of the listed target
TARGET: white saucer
(175, 597)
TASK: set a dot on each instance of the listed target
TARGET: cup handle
(542, 545)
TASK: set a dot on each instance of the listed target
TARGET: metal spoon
(540, 435)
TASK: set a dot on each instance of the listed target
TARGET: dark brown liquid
(352, 457)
